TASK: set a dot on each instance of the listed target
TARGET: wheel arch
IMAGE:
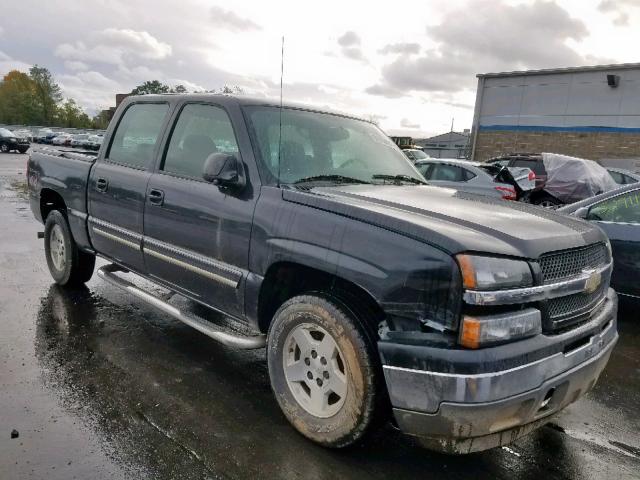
(51, 200)
(287, 279)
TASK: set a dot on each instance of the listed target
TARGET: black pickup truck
(471, 320)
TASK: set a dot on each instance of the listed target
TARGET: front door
(619, 217)
(196, 233)
(118, 184)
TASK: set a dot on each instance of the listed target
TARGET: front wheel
(323, 370)
(23, 150)
(67, 264)
(4, 148)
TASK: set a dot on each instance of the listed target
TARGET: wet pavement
(98, 385)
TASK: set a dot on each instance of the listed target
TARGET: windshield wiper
(399, 178)
(330, 178)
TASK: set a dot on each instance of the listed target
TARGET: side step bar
(229, 339)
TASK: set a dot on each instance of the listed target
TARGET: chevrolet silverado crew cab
(471, 320)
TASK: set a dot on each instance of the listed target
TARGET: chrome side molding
(215, 332)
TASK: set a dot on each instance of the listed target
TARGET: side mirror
(582, 212)
(224, 170)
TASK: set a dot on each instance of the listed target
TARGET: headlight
(482, 331)
(491, 273)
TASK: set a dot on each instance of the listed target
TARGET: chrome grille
(572, 305)
(570, 263)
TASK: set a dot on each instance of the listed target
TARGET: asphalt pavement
(94, 384)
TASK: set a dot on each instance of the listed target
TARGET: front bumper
(468, 404)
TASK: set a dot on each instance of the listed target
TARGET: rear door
(118, 183)
(196, 233)
(619, 217)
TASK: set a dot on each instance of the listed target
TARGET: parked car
(618, 214)
(95, 141)
(42, 134)
(622, 176)
(415, 154)
(10, 141)
(474, 319)
(474, 177)
(560, 179)
(79, 140)
(48, 139)
(24, 133)
(62, 139)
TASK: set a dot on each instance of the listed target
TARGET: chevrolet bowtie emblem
(593, 280)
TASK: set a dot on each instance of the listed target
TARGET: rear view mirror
(582, 212)
(224, 170)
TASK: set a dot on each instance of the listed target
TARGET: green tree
(17, 98)
(71, 115)
(47, 93)
(230, 90)
(149, 87)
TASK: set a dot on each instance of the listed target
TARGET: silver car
(479, 178)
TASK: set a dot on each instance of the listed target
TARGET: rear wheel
(323, 370)
(547, 201)
(67, 264)
(23, 150)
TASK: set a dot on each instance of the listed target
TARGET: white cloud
(75, 65)
(374, 61)
(115, 46)
(7, 64)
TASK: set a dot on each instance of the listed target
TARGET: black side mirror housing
(224, 170)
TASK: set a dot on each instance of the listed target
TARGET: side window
(537, 167)
(621, 209)
(425, 169)
(468, 175)
(200, 131)
(448, 173)
(137, 134)
(617, 177)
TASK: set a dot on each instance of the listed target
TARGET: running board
(229, 339)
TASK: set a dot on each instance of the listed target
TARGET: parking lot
(98, 385)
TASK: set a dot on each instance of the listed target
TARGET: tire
(332, 390)
(4, 148)
(67, 264)
(547, 201)
(23, 150)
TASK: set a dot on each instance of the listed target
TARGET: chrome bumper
(460, 413)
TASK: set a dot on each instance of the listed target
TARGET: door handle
(156, 197)
(102, 184)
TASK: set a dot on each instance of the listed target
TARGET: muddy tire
(324, 369)
(67, 264)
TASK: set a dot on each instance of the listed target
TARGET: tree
(179, 89)
(150, 87)
(234, 90)
(47, 93)
(17, 98)
(71, 115)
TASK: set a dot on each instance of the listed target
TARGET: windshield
(6, 133)
(419, 154)
(324, 147)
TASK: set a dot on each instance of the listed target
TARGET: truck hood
(453, 220)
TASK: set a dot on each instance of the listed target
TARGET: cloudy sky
(409, 64)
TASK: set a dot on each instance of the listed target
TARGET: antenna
(280, 128)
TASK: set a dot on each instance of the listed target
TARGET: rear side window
(200, 131)
(448, 173)
(537, 167)
(137, 133)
